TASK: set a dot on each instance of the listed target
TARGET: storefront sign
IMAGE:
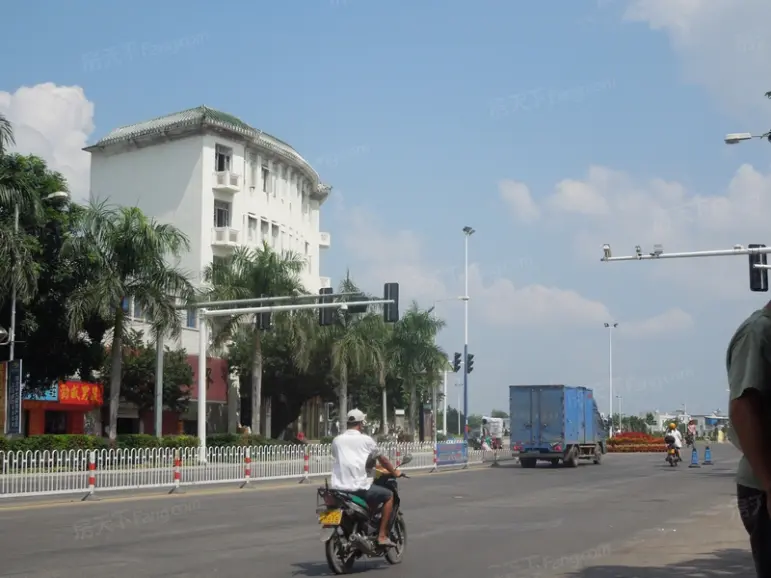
(451, 454)
(13, 395)
(80, 393)
(50, 394)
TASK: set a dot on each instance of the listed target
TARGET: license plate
(672, 452)
(331, 518)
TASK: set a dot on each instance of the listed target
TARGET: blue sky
(426, 116)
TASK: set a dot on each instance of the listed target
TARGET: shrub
(328, 439)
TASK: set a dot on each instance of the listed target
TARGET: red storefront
(62, 409)
(216, 395)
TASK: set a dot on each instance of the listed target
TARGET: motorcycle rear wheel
(398, 537)
(335, 551)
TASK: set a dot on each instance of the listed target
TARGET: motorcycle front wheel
(398, 537)
(337, 559)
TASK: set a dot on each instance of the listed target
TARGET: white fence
(42, 473)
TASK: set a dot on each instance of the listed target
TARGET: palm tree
(7, 139)
(129, 253)
(415, 354)
(250, 273)
(356, 346)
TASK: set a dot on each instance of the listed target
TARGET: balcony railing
(227, 182)
(225, 236)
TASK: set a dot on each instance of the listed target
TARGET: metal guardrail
(47, 473)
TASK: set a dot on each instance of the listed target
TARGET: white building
(222, 183)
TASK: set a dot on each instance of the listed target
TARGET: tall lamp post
(449, 362)
(610, 327)
(467, 232)
(12, 328)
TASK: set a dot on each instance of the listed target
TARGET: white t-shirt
(678, 437)
(350, 452)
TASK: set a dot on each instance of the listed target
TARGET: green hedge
(85, 442)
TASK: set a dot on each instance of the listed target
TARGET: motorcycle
(350, 528)
(673, 457)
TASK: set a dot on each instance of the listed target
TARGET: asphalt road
(503, 522)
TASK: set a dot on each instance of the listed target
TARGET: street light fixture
(737, 137)
(12, 329)
(610, 327)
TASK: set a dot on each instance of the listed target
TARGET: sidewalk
(706, 545)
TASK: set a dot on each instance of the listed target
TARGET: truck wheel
(572, 459)
(597, 455)
(527, 462)
(555, 462)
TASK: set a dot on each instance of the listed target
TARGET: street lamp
(610, 327)
(12, 329)
(737, 137)
(444, 391)
(467, 232)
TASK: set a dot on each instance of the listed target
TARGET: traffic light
(264, 320)
(758, 277)
(391, 310)
(326, 314)
(357, 308)
(456, 363)
(469, 362)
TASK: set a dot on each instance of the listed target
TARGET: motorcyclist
(350, 452)
(691, 434)
(674, 438)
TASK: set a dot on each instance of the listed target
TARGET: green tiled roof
(192, 116)
(200, 116)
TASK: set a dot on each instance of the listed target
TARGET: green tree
(417, 360)
(42, 335)
(252, 274)
(138, 374)
(7, 139)
(650, 419)
(130, 254)
(499, 413)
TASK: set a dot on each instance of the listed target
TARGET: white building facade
(224, 184)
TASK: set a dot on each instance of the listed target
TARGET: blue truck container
(555, 423)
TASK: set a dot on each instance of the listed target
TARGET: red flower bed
(635, 438)
(636, 448)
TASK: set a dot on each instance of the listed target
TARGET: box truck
(555, 423)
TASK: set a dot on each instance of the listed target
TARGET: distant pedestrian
(748, 363)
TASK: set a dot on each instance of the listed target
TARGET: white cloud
(674, 321)
(724, 45)
(626, 212)
(381, 256)
(517, 196)
(54, 123)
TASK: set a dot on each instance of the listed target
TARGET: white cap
(356, 416)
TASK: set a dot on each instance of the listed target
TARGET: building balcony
(225, 237)
(325, 282)
(227, 182)
(325, 240)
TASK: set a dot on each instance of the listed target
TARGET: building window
(252, 228)
(222, 156)
(192, 319)
(252, 170)
(265, 180)
(125, 304)
(221, 214)
(138, 312)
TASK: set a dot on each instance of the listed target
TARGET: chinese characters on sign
(13, 395)
(80, 392)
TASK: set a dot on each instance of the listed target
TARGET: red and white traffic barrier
(306, 467)
(247, 467)
(436, 467)
(398, 457)
(91, 476)
(177, 474)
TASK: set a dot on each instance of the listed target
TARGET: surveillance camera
(606, 251)
(658, 250)
(638, 250)
(738, 247)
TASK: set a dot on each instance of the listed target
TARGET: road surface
(504, 522)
